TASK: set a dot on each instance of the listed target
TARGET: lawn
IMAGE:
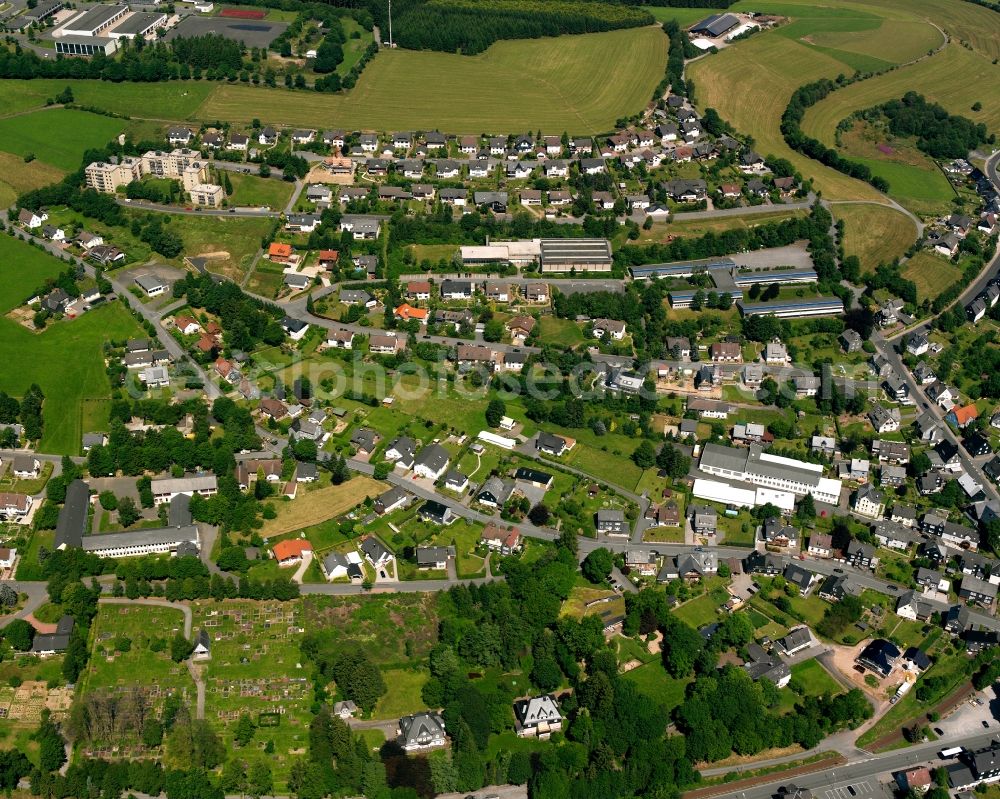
(654, 682)
(876, 234)
(312, 507)
(256, 191)
(166, 100)
(65, 360)
(32, 133)
(812, 679)
(932, 273)
(702, 610)
(403, 696)
(405, 89)
(559, 332)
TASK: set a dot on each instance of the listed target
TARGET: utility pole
(390, 24)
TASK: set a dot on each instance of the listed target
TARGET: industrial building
(143, 542)
(575, 255)
(755, 466)
(85, 45)
(794, 309)
(93, 21)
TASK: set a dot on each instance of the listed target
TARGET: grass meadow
(876, 234)
(572, 83)
(932, 273)
(33, 133)
(253, 190)
(65, 360)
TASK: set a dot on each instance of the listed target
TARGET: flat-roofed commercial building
(575, 255)
(141, 23)
(793, 309)
(755, 466)
(141, 542)
(85, 45)
(92, 21)
(165, 489)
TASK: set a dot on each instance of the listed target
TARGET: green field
(814, 679)
(65, 360)
(17, 177)
(572, 83)
(876, 234)
(168, 100)
(750, 84)
(932, 273)
(252, 190)
(659, 686)
(36, 133)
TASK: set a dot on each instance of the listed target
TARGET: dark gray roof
(73, 517)
(434, 457)
(179, 513)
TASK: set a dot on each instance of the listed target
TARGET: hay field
(580, 84)
(875, 234)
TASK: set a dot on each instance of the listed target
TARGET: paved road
(143, 205)
(863, 768)
(37, 596)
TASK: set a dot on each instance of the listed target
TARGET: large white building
(166, 488)
(181, 164)
(141, 542)
(755, 466)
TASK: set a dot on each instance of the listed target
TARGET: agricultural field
(750, 84)
(404, 89)
(34, 134)
(111, 669)
(876, 234)
(932, 273)
(17, 177)
(171, 100)
(65, 360)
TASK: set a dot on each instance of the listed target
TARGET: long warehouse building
(575, 255)
(92, 22)
(755, 466)
(132, 544)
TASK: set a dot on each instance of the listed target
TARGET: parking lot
(253, 33)
(851, 791)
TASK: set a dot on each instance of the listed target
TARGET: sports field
(568, 83)
(65, 360)
(37, 133)
(876, 234)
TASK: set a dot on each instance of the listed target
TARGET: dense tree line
(469, 26)
(246, 321)
(679, 50)
(796, 138)
(938, 133)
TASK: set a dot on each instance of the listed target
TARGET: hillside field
(572, 83)
(65, 359)
(37, 133)
(750, 84)
(875, 234)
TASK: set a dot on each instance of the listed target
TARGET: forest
(470, 26)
